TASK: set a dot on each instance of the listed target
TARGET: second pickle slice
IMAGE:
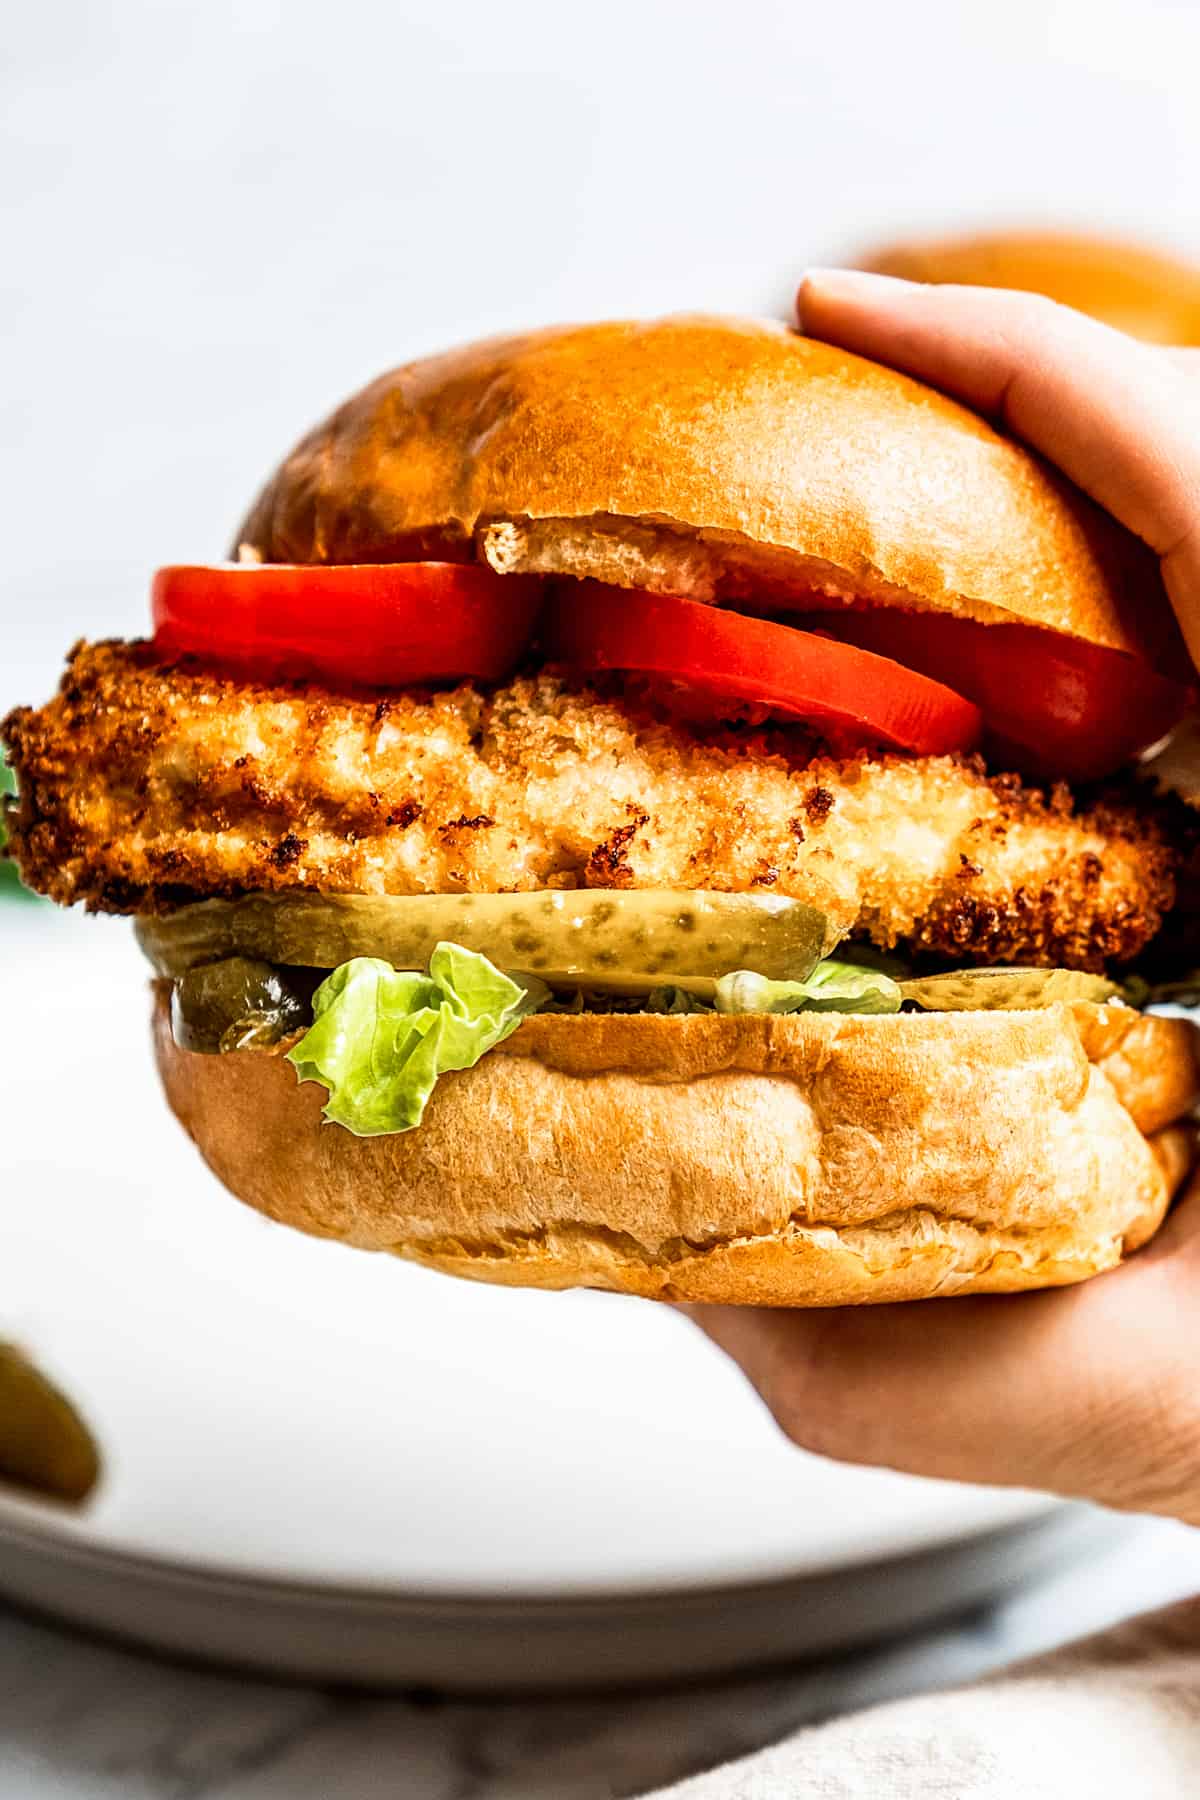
(1006, 990)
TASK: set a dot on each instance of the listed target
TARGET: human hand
(1091, 1391)
(1120, 418)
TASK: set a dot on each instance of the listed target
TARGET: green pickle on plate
(45, 1447)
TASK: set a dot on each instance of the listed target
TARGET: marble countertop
(87, 1721)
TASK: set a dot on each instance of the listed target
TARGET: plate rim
(23, 1526)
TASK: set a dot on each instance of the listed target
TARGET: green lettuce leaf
(381, 1037)
(10, 882)
(833, 986)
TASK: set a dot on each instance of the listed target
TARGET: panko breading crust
(146, 786)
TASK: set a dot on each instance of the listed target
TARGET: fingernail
(846, 281)
(840, 284)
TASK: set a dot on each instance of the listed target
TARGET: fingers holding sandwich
(1118, 417)
(1083, 1391)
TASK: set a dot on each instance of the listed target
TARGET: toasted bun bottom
(811, 1160)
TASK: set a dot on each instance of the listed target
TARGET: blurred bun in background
(1149, 293)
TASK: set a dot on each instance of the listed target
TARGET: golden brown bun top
(1139, 290)
(707, 456)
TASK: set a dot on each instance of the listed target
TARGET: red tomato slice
(365, 624)
(738, 661)
(1054, 705)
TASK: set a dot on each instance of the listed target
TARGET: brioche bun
(709, 457)
(807, 1160)
(1142, 291)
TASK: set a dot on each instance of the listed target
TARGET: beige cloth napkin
(1115, 1717)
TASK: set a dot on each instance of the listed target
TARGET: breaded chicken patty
(146, 785)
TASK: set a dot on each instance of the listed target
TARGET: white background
(216, 219)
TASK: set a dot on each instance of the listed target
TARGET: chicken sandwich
(654, 806)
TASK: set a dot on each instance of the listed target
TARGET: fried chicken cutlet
(147, 785)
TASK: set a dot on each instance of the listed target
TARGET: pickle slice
(237, 1004)
(590, 937)
(1005, 990)
(45, 1446)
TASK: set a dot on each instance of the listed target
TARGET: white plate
(292, 1426)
